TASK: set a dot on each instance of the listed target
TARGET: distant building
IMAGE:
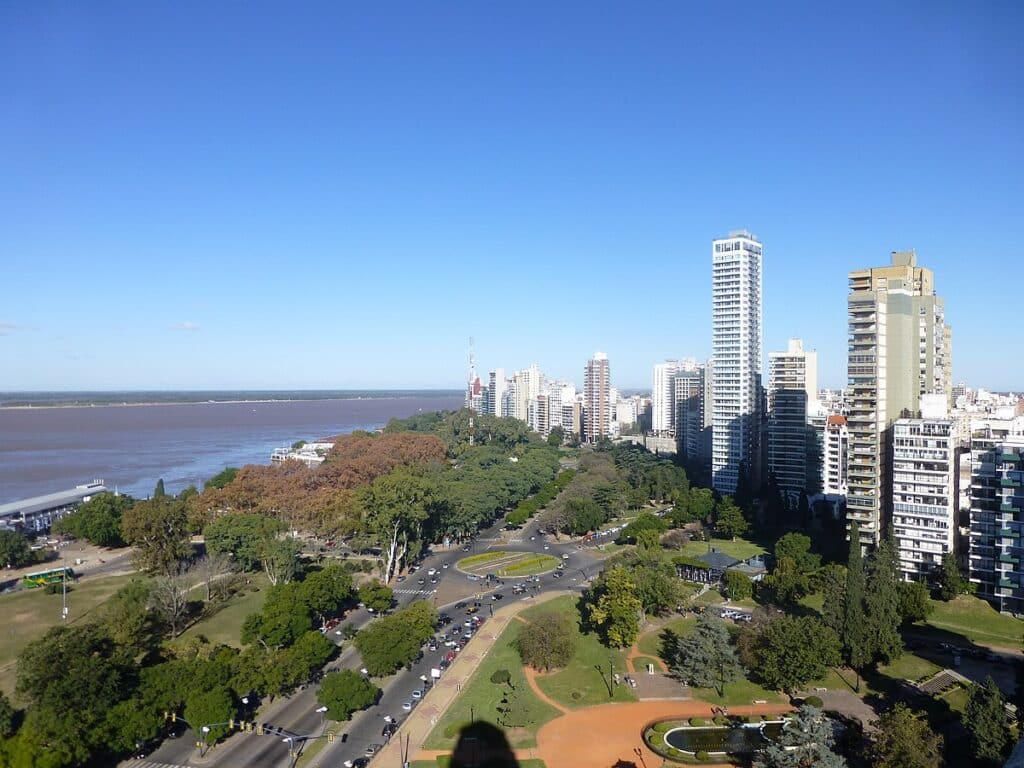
(693, 418)
(837, 449)
(39, 512)
(597, 406)
(924, 493)
(736, 344)
(663, 398)
(793, 455)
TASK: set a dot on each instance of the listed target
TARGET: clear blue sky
(229, 195)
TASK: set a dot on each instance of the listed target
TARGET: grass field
(225, 626)
(640, 664)
(977, 621)
(480, 697)
(650, 642)
(27, 615)
(529, 567)
(581, 683)
(741, 549)
(741, 692)
(910, 667)
(485, 557)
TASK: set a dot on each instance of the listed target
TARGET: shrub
(663, 727)
(696, 721)
(813, 701)
(703, 756)
(721, 720)
(754, 719)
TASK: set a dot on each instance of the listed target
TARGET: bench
(760, 701)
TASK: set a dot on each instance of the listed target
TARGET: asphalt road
(296, 715)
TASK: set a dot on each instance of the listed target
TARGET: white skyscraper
(663, 398)
(736, 345)
(792, 391)
(597, 404)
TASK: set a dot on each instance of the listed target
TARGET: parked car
(372, 750)
(407, 705)
(417, 694)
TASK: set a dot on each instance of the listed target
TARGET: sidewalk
(420, 722)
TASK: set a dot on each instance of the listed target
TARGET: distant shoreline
(12, 401)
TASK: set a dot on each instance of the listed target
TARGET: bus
(42, 578)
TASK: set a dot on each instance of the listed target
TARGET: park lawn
(833, 681)
(529, 566)
(956, 699)
(640, 663)
(29, 613)
(314, 747)
(711, 597)
(909, 667)
(480, 697)
(485, 557)
(584, 681)
(815, 602)
(741, 549)
(649, 643)
(977, 621)
(742, 691)
(225, 625)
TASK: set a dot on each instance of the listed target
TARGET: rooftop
(52, 500)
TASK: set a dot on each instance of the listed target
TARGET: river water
(129, 447)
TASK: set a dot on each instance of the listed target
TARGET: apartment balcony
(1009, 559)
(1004, 507)
(1009, 482)
(1009, 456)
(1006, 584)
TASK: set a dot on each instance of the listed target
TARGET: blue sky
(232, 195)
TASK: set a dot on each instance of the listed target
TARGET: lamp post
(320, 711)
(611, 677)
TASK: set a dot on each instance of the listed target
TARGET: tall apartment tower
(899, 349)
(597, 406)
(689, 406)
(837, 451)
(498, 386)
(924, 490)
(736, 347)
(792, 389)
(996, 545)
(663, 416)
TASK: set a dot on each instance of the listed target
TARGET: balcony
(1009, 456)
(1004, 507)
(1009, 482)
(1006, 584)
(1006, 532)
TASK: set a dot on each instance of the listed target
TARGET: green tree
(792, 651)
(738, 586)
(346, 692)
(985, 720)
(14, 549)
(914, 602)
(705, 658)
(324, 591)
(904, 740)
(8, 716)
(548, 642)
(643, 522)
(158, 529)
(950, 580)
(729, 520)
(615, 608)
(702, 504)
(280, 560)
(786, 583)
(882, 602)
(797, 547)
(284, 618)
(211, 708)
(396, 507)
(222, 478)
(856, 645)
(241, 536)
(391, 641)
(97, 520)
(376, 595)
(556, 436)
(159, 492)
(832, 584)
(805, 743)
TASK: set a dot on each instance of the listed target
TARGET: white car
(364, 671)
(407, 705)
(417, 694)
(445, 565)
(432, 571)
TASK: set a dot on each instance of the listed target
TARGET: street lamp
(321, 711)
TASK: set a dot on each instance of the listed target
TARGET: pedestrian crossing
(414, 591)
(143, 763)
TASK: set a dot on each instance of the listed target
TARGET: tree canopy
(345, 692)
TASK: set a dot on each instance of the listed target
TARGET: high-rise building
(924, 494)
(497, 386)
(997, 512)
(837, 451)
(663, 398)
(736, 345)
(690, 409)
(597, 406)
(792, 393)
(899, 349)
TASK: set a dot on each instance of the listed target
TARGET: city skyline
(332, 200)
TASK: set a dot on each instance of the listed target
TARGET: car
(546, 547)
(389, 719)
(433, 580)
(450, 656)
(472, 577)
(446, 565)
(472, 609)
(417, 694)
(466, 548)
(497, 596)
(460, 606)
(557, 575)
(359, 762)
(468, 635)
(533, 538)
(443, 664)
(432, 646)
(388, 730)
(421, 582)
(407, 705)
(401, 579)
(372, 750)
(413, 568)
(431, 571)
(565, 557)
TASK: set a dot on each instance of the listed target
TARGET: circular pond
(736, 740)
